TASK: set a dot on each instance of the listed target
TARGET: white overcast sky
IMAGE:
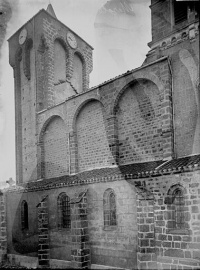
(119, 46)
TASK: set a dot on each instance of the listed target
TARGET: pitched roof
(180, 163)
(130, 171)
(96, 175)
(139, 168)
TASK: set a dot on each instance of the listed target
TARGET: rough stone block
(174, 253)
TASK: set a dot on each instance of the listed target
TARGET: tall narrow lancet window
(59, 63)
(109, 207)
(64, 213)
(178, 205)
(24, 215)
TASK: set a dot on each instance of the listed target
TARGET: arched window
(109, 208)
(64, 213)
(178, 213)
(24, 215)
(176, 208)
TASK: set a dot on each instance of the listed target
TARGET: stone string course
(189, 33)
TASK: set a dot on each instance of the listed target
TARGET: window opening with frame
(24, 215)
(178, 213)
(183, 9)
(109, 208)
(64, 212)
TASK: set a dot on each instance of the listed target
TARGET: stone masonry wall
(144, 241)
(80, 251)
(139, 123)
(180, 42)
(185, 65)
(92, 143)
(55, 149)
(42, 74)
(113, 247)
(108, 94)
(161, 19)
(18, 118)
(55, 30)
(28, 107)
(78, 74)
(146, 256)
(174, 249)
(169, 18)
(158, 102)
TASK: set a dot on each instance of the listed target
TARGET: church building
(107, 177)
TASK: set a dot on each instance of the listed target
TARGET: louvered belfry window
(64, 213)
(180, 11)
(24, 215)
(109, 205)
(183, 9)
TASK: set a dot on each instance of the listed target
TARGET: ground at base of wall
(26, 262)
(105, 267)
(9, 265)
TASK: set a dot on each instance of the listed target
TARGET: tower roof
(50, 10)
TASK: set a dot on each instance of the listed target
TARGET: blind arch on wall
(139, 122)
(92, 142)
(55, 149)
(77, 78)
(59, 62)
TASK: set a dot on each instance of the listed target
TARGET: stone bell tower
(51, 63)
